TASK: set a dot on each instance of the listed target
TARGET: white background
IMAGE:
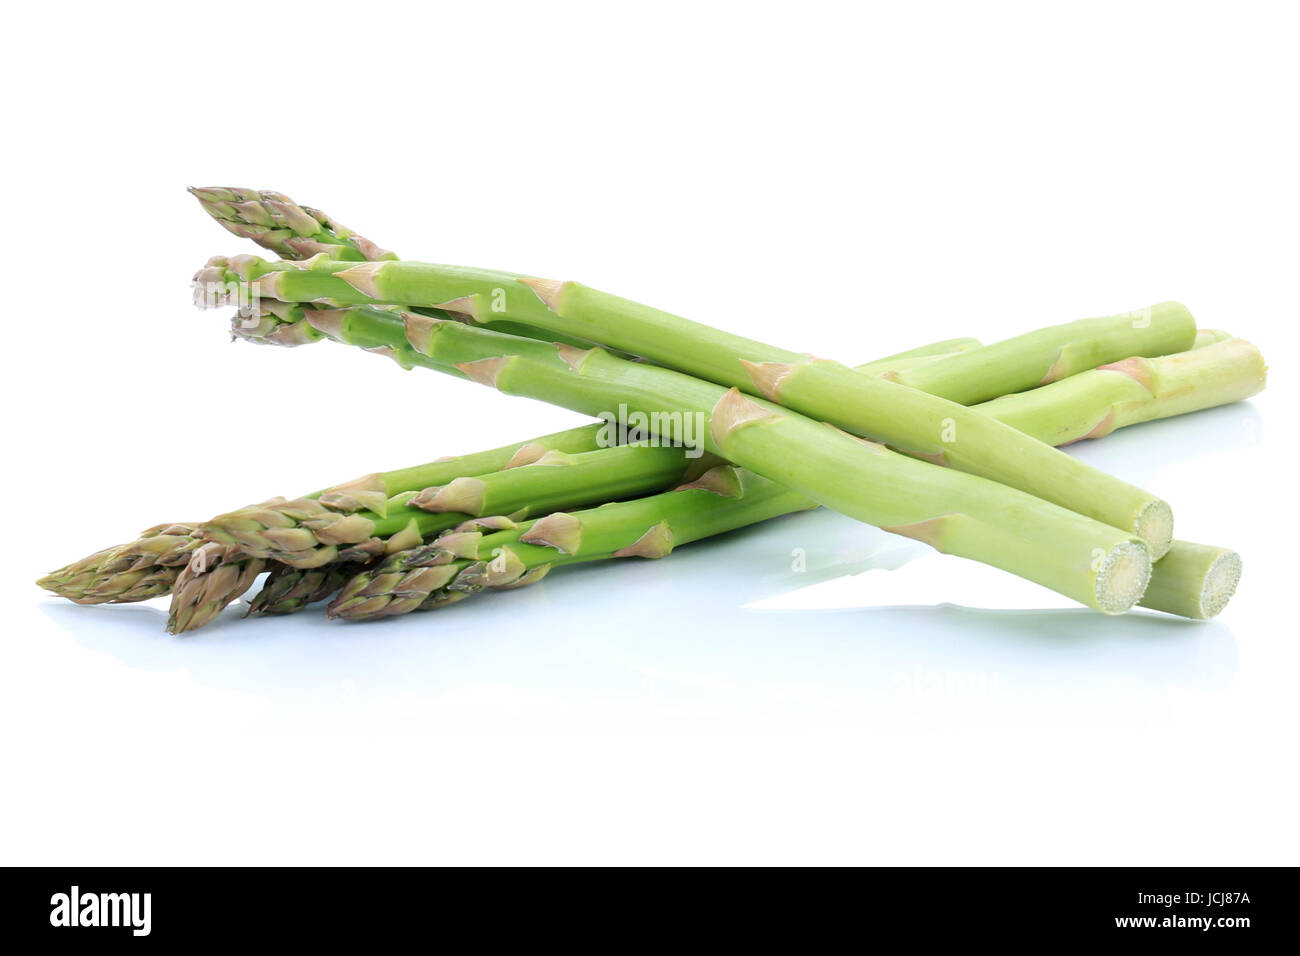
(846, 180)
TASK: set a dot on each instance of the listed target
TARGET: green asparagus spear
(958, 513)
(1193, 580)
(149, 566)
(1052, 354)
(472, 558)
(1096, 402)
(919, 424)
(146, 568)
(1226, 374)
(304, 533)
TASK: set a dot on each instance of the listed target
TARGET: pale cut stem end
(1155, 526)
(1123, 577)
(1220, 584)
(1194, 581)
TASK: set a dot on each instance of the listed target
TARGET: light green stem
(304, 533)
(919, 424)
(1193, 580)
(957, 513)
(933, 352)
(1051, 354)
(1095, 403)
(1228, 373)
(467, 560)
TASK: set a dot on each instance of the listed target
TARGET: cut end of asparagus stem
(1155, 526)
(1123, 577)
(1220, 584)
(1194, 580)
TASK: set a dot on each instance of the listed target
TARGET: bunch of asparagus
(950, 443)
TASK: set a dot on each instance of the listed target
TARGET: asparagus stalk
(1224, 374)
(956, 512)
(148, 567)
(1095, 403)
(1052, 354)
(920, 356)
(290, 324)
(304, 533)
(294, 232)
(373, 491)
(289, 589)
(919, 424)
(472, 558)
(1193, 580)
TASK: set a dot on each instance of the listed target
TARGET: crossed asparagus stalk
(426, 536)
